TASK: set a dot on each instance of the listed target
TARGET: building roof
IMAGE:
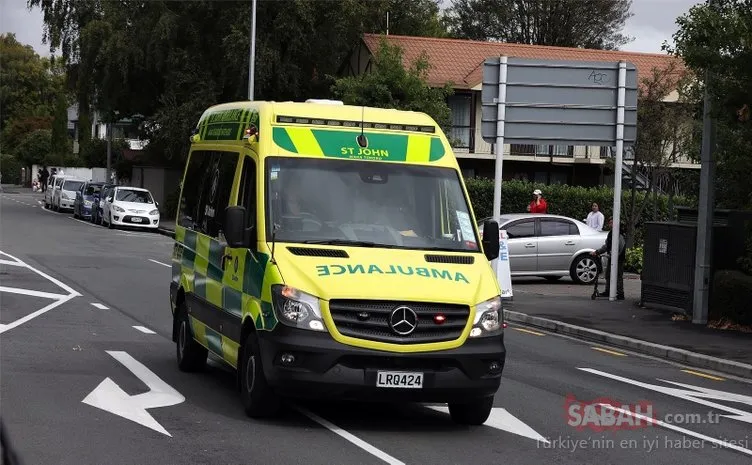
(461, 61)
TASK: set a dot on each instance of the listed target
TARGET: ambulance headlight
(296, 308)
(489, 317)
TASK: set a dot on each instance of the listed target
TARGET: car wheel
(474, 412)
(192, 356)
(584, 269)
(109, 223)
(255, 393)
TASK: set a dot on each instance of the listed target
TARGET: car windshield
(92, 189)
(72, 185)
(367, 204)
(128, 195)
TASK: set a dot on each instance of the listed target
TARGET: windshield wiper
(350, 243)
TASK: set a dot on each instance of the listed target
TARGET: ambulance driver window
(247, 192)
(216, 192)
(190, 214)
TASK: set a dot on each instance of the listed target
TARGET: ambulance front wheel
(259, 400)
(192, 356)
(474, 412)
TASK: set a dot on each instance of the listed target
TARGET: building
(123, 129)
(460, 62)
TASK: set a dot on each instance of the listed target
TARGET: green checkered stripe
(197, 263)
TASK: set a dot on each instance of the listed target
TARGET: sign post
(554, 102)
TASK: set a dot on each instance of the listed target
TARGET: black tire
(584, 269)
(191, 355)
(474, 412)
(109, 222)
(259, 401)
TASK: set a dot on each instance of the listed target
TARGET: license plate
(136, 220)
(399, 379)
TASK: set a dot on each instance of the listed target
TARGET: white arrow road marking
(694, 394)
(505, 421)
(703, 437)
(110, 397)
(59, 299)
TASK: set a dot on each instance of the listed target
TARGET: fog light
(475, 332)
(116, 218)
(494, 367)
(287, 359)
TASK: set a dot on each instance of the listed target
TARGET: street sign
(555, 102)
(558, 102)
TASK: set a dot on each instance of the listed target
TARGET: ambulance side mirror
(491, 239)
(234, 227)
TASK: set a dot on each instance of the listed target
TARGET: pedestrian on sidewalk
(538, 205)
(595, 218)
(619, 263)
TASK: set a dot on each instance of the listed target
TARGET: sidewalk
(624, 324)
(167, 228)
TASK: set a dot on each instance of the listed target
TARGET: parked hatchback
(551, 246)
(130, 206)
(65, 197)
(83, 205)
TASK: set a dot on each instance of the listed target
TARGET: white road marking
(680, 430)
(87, 223)
(144, 329)
(110, 397)
(59, 298)
(32, 293)
(350, 437)
(100, 306)
(10, 263)
(160, 263)
(501, 419)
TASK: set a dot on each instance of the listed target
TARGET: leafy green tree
(581, 23)
(35, 147)
(717, 37)
(391, 85)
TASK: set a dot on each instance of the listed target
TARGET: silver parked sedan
(551, 246)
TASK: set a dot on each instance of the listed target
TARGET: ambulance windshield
(363, 203)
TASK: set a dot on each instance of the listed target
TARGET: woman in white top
(595, 218)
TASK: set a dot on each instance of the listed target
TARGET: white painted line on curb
(87, 223)
(350, 437)
(100, 306)
(144, 329)
(160, 263)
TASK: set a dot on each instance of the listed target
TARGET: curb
(166, 232)
(649, 348)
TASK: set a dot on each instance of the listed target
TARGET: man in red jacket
(538, 205)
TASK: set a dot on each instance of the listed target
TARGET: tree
(717, 37)
(391, 85)
(665, 130)
(595, 24)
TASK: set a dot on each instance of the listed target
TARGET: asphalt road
(86, 290)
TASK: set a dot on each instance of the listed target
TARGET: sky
(652, 24)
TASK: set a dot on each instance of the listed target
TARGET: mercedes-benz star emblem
(403, 320)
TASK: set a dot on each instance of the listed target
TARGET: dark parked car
(96, 205)
(82, 207)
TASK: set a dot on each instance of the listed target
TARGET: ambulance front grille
(369, 320)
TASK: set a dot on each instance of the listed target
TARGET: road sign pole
(618, 167)
(501, 113)
(252, 58)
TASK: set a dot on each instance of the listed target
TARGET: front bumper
(325, 368)
(127, 219)
(67, 204)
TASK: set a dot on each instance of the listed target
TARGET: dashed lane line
(523, 330)
(100, 306)
(144, 329)
(610, 352)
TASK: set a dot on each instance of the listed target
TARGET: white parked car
(64, 196)
(130, 206)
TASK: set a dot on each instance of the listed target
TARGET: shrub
(732, 292)
(570, 201)
(634, 260)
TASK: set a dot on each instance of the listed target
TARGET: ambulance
(328, 251)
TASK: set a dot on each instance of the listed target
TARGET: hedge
(571, 201)
(732, 292)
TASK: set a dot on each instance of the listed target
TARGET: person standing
(595, 218)
(538, 205)
(44, 177)
(619, 264)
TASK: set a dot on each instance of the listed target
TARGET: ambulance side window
(191, 206)
(217, 189)
(247, 194)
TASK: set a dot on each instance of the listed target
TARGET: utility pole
(252, 58)
(705, 214)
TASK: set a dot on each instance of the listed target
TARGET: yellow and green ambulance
(330, 251)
